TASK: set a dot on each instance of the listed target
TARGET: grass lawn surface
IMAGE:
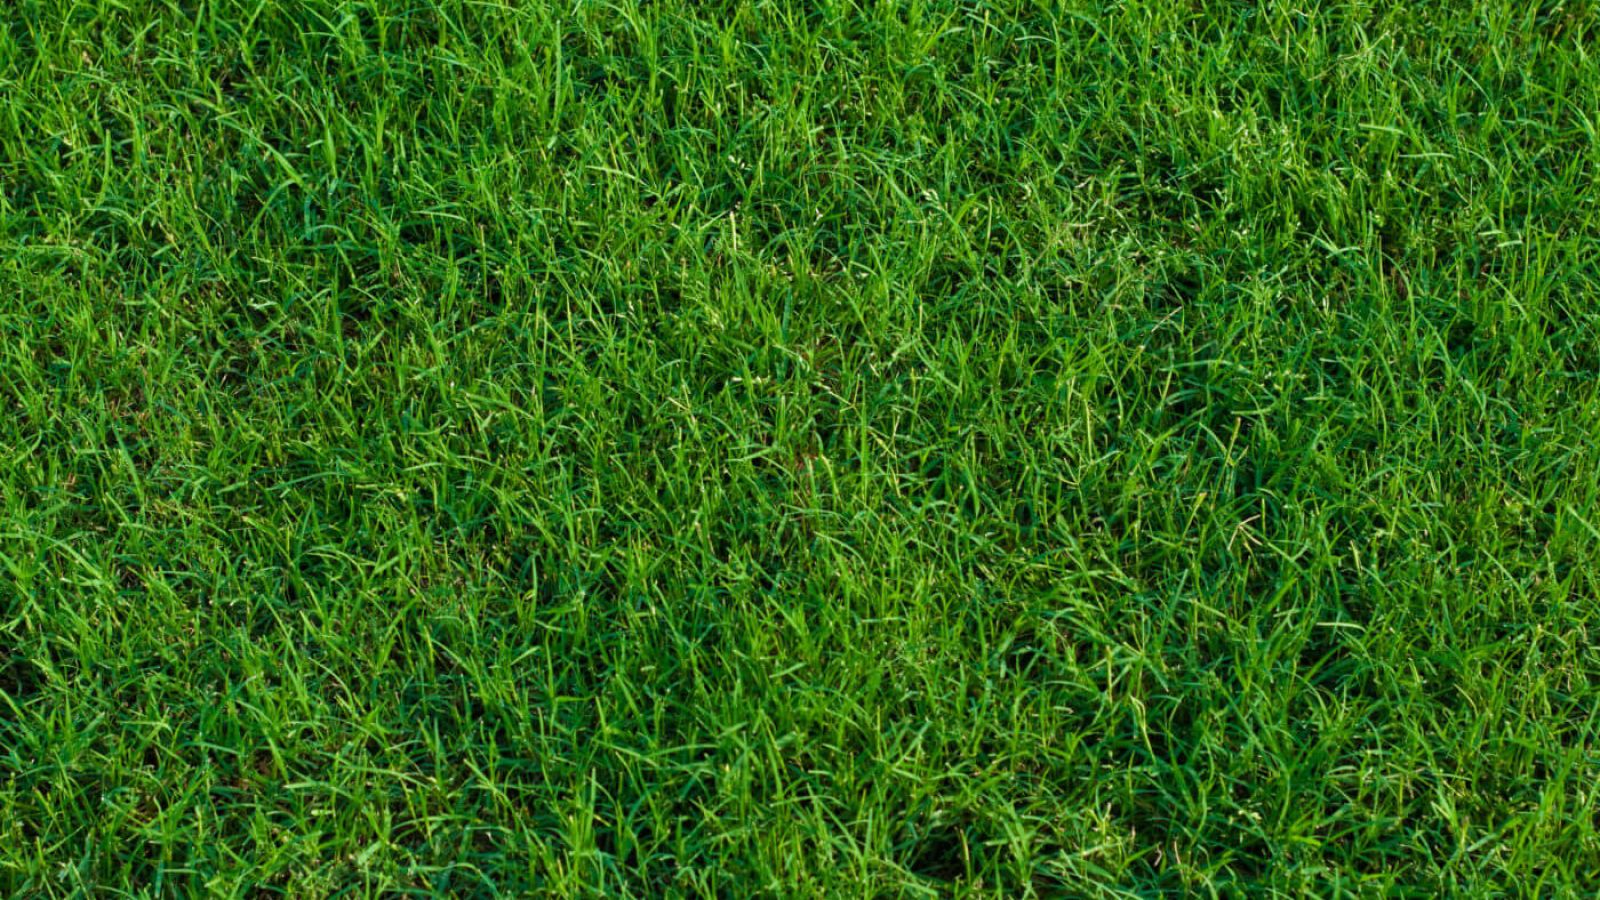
(777, 448)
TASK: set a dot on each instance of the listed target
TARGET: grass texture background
(842, 448)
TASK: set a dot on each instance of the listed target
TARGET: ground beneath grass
(838, 449)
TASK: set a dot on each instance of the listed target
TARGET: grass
(924, 448)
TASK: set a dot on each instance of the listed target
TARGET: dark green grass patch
(799, 449)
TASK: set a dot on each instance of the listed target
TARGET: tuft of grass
(934, 448)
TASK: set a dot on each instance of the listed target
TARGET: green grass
(836, 449)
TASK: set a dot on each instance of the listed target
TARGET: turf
(853, 449)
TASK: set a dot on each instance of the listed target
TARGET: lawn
(775, 448)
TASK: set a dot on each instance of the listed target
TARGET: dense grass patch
(836, 449)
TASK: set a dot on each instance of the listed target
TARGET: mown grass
(915, 448)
